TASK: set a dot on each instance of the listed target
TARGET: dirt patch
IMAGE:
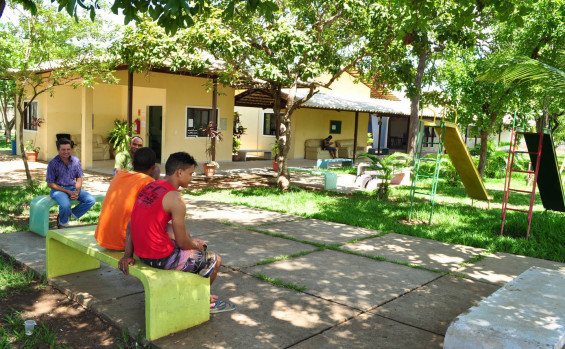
(231, 182)
(70, 322)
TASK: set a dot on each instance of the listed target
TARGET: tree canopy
(169, 14)
(51, 49)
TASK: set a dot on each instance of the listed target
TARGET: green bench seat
(323, 163)
(330, 178)
(174, 300)
(39, 212)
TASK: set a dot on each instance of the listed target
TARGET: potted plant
(387, 165)
(118, 137)
(275, 150)
(31, 150)
(212, 136)
(238, 131)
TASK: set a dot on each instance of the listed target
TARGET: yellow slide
(461, 159)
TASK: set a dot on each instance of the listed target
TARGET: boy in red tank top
(158, 203)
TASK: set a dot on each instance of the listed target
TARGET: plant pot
(32, 156)
(235, 157)
(275, 166)
(209, 170)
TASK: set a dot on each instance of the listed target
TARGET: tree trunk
(483, 153)
(283, 180)
(414, 121)
(21, 139)
(484, 143)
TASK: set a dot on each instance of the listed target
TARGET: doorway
(155, 130)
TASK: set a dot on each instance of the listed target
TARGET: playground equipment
(546, 173)
(449, 137)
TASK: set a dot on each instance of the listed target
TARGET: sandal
(222, 306)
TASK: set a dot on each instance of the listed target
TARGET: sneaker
(222, 306)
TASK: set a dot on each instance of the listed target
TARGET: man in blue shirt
(64, 177)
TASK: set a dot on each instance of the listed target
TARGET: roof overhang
(259, 98)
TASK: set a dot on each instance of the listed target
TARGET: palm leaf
(522, 69)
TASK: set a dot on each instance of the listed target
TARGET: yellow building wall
(346, 85)
(315, 124)
(183, 92)
(252, 119)
(108, 103)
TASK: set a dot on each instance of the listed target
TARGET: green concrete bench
(330, 178)
(323, 163)
(39, 212)
(174, 300)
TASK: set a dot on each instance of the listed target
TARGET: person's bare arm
(174, 204)
(127, 259)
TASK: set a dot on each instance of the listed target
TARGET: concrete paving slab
(242, 248)
(351, 280)
(500, 268)
(433, 306)
(266, 316)
(319, 231)
(126, 312)
(200, 227)
(26, 247)
(234, 214)
(372, 331)
(98, 285)
(527, 312)
(417, 251)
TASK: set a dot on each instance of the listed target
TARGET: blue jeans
(86, 201)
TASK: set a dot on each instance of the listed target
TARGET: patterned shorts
(191, 261)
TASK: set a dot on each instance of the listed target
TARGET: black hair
(180, 160)
(143, 159)
(62, 141)
(330, 136)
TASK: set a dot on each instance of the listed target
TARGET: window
(30, 117)
(335, 127)
(196, 121)
(269, 124)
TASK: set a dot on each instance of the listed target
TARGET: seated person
(118, 203)
(158, 203)
(124, 159)
(64, 177)
(326, 145)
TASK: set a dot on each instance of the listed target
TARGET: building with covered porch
(169, 109)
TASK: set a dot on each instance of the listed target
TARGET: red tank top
(149, 222)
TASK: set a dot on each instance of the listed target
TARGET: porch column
(130, 101)
(355, 135)
(87, 109)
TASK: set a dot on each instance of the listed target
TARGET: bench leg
(330, 180)
(62, 259)
(322, 163)
(39, 214)
(174, 301)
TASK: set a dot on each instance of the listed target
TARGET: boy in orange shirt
(118, 203)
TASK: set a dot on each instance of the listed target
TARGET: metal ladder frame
(439, 155)
(508, 178)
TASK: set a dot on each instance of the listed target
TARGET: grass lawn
(5, 145)
(455, 219)
(14, 207)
